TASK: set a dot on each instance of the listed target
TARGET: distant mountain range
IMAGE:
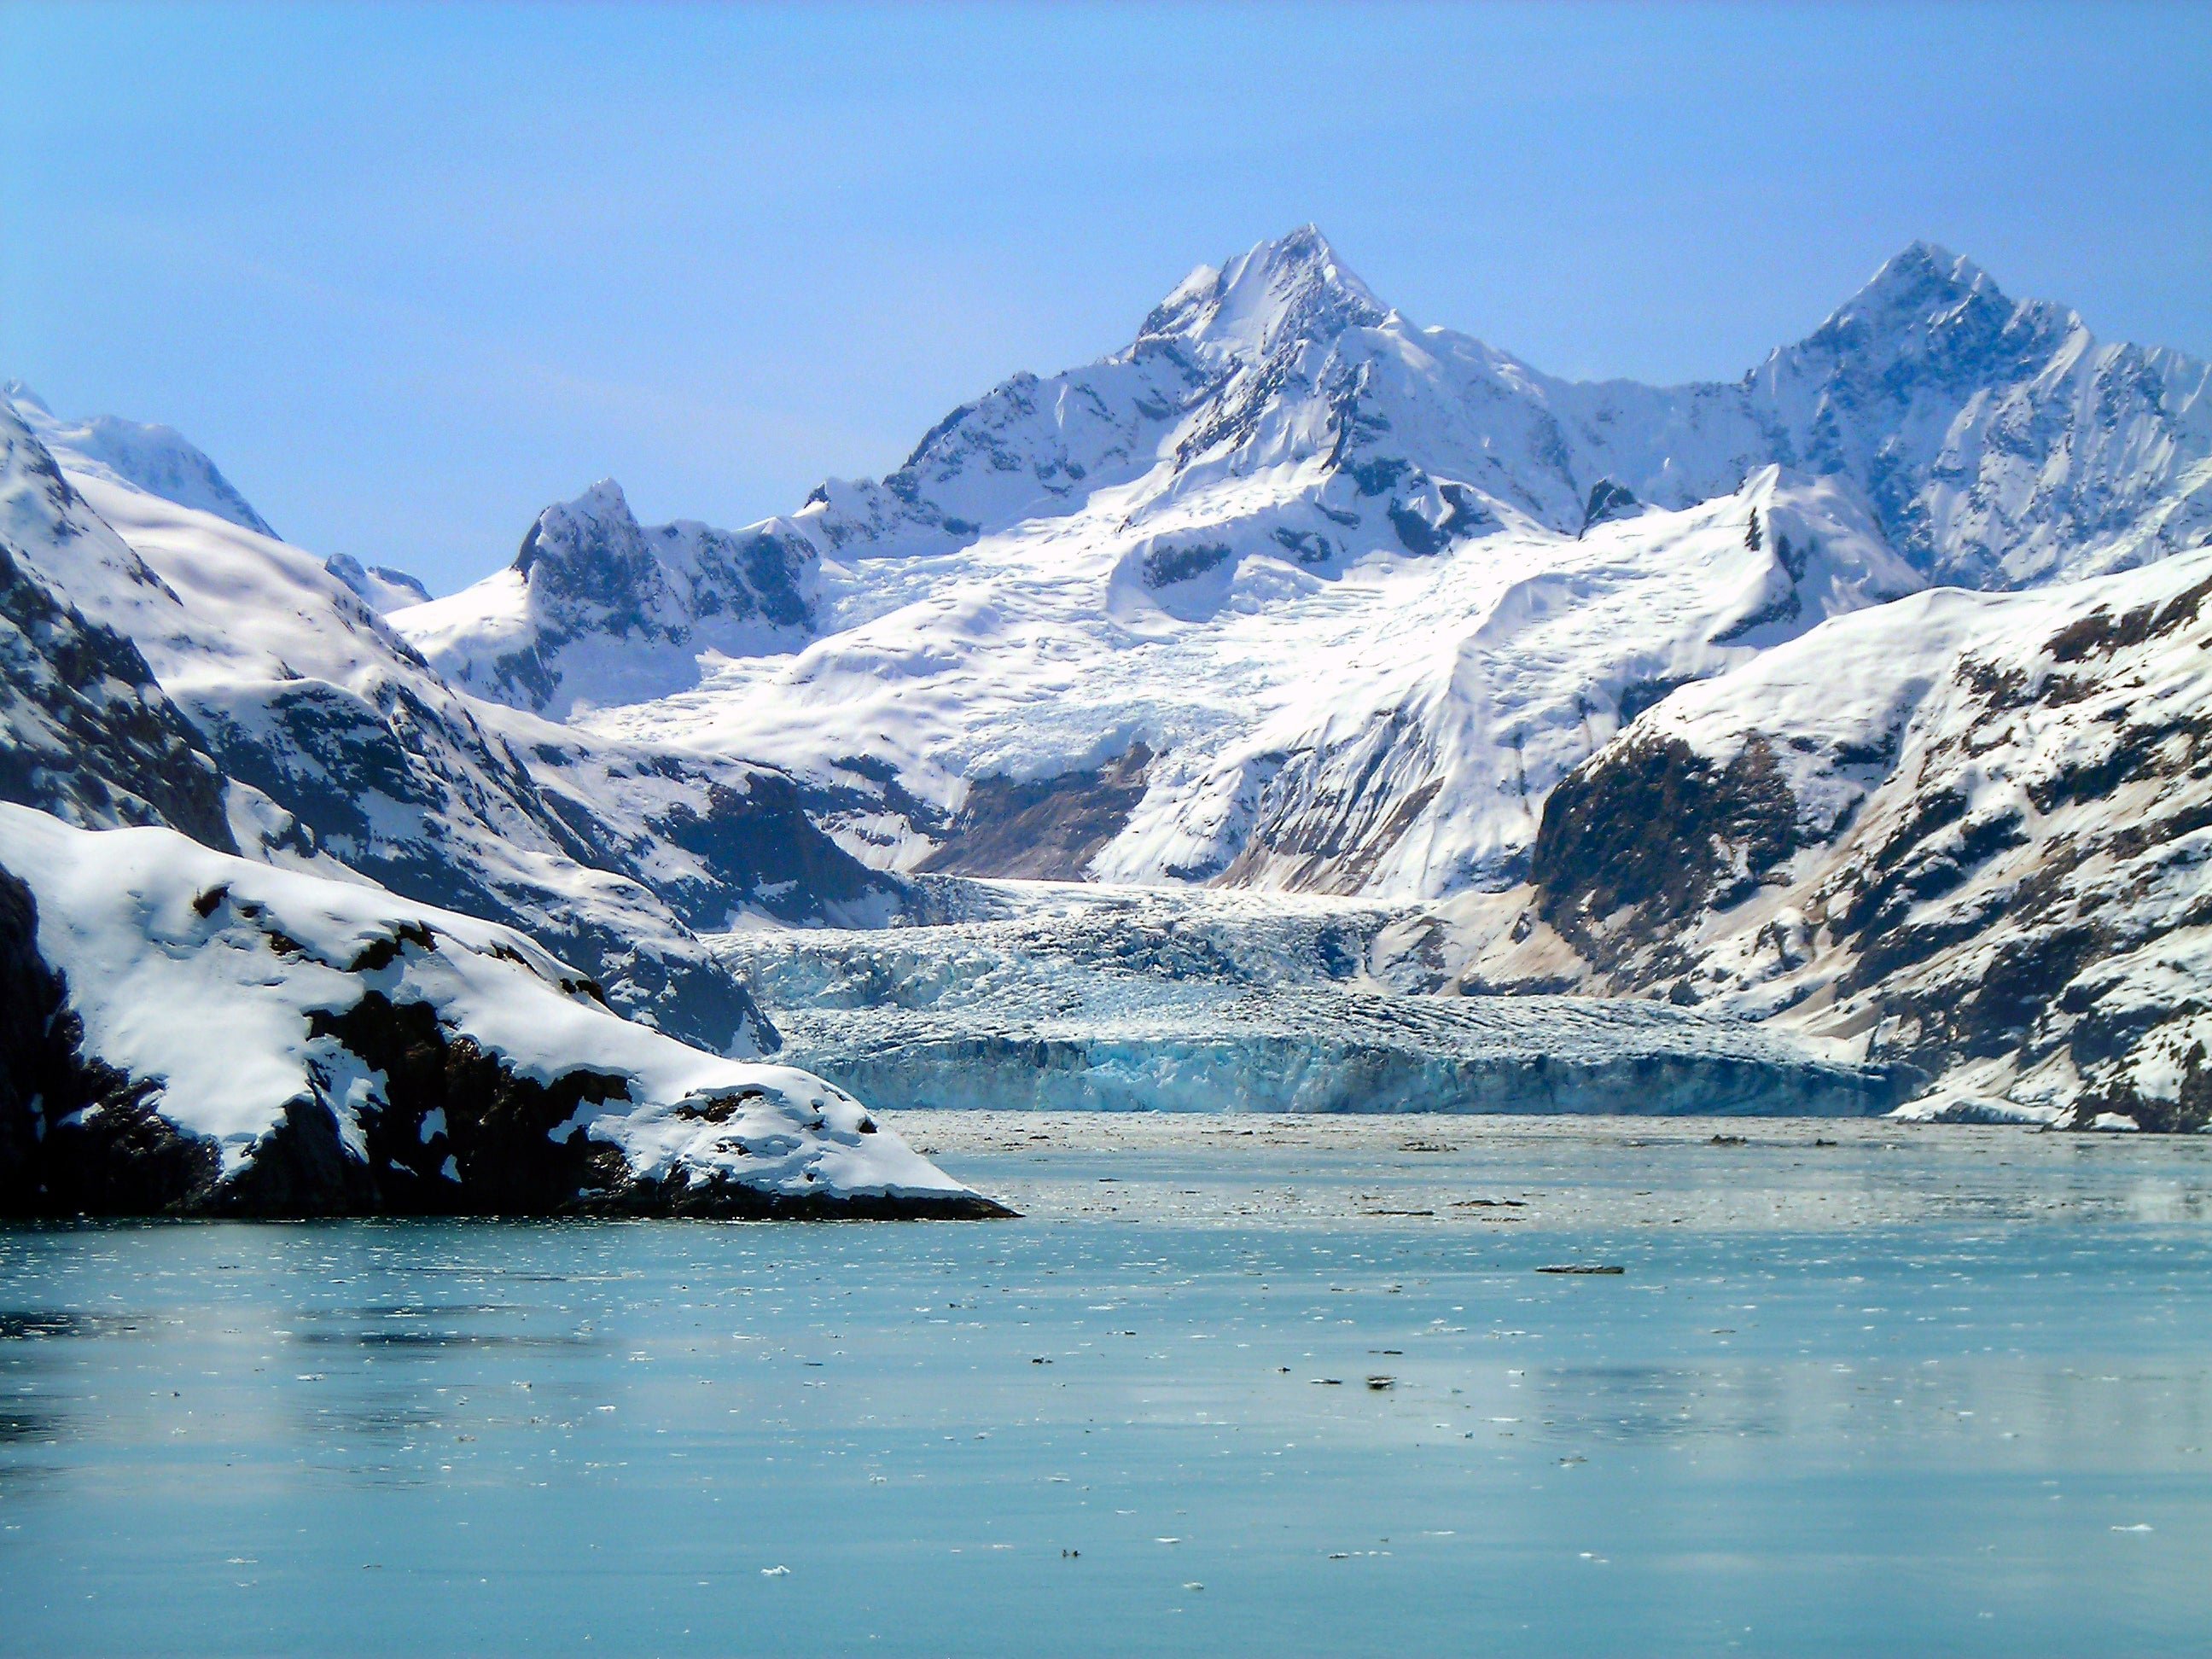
(1858, 696)
(1294, 592)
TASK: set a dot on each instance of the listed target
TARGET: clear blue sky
(411, 273)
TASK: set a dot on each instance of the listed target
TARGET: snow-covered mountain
(184, 1031)
(1558, 688)
(342, 747)
(1294, 592)
(1968, 832)
(155, 458)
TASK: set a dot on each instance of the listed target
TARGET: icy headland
(189, 1032)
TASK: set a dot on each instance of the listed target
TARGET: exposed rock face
(599, 608)
(375, 1058)
(85, 732)
(1049, 829)
(1969, 833)
(1631, 846)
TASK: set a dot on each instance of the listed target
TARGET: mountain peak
(1927, 299)
(1941, 313)
(156, 459)
(590, 546)
(1293, 286)
(1923, 278)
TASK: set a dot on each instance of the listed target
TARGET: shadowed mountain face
(89, 735)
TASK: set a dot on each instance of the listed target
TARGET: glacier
(1061, 996)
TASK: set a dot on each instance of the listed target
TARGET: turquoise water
(1948, 1392)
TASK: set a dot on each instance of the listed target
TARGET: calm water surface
(1927, 1392)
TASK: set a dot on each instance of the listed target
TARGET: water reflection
(18, 1324)
(436, 1438)
(29, 1423)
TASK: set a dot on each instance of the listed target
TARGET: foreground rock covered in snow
(183, 1031)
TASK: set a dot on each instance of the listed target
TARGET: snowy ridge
(2002, 443)
(597, 608)
(375, 1056)
(155, 458)
(304, 694)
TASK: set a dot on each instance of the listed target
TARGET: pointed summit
(591, 552)
(1921, 283)
(1292, 287)
(1930, 319)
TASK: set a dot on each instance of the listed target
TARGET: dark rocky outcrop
(1046, 830)
(1649, 832)
(1606, 502)
(77, 1137)
(85, 732)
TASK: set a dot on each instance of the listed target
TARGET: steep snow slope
(155, 458)
(1079, 997)
(1967, 832)
(85, 731)
(185, 1031)
(1290, 591)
